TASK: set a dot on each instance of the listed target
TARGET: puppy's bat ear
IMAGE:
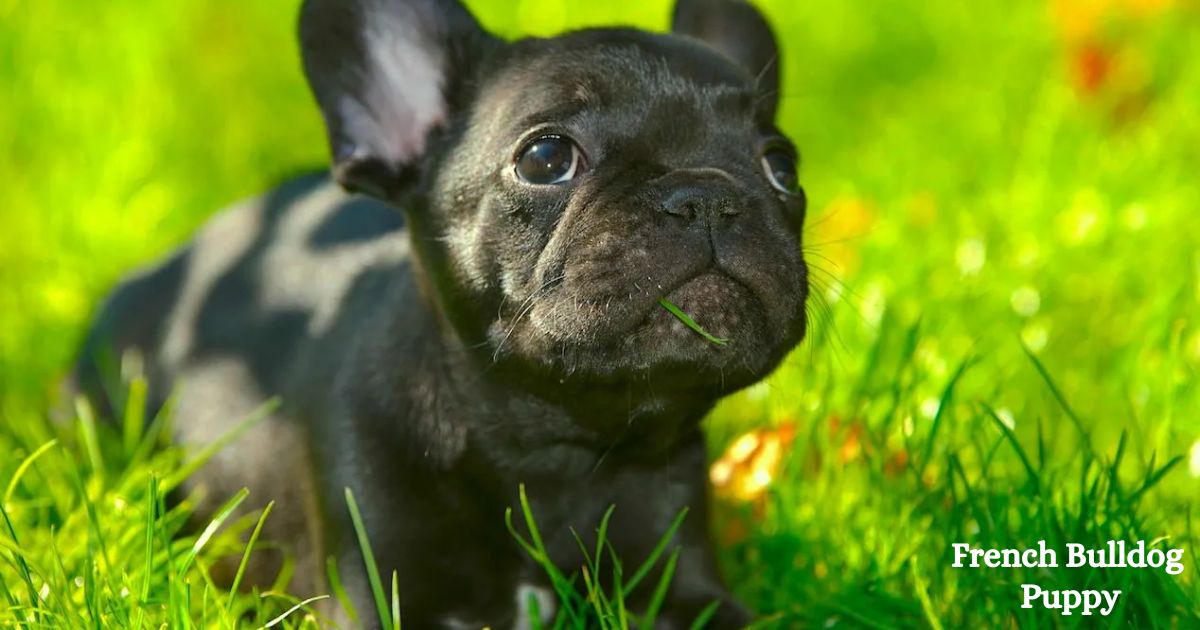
(386, 74)
(737, 29)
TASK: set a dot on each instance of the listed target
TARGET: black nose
(706, 199)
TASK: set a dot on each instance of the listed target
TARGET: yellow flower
(751, 462)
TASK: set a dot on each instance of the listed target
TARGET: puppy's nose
(706, 200)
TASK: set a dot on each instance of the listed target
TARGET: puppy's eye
(780, 167)
(549, 160)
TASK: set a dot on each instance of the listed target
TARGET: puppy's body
(308, 294)
(509, 333)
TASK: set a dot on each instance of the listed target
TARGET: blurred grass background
(1004, 204)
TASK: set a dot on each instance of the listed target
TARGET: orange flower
(751, 462)
(1104, 61)
(896, 464)
(1092, 64)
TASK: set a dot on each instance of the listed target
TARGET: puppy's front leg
(450, 582)
(696, 583)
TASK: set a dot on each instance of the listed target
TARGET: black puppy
(505, 328)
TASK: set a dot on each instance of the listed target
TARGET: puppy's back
(265, 301)
(258, 284)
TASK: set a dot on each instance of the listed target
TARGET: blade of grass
(535, 612)
(595, 594)
(72, 613)
(1034, 477)
(923, 596)
(691, 323)
(291, 611)
(212, 448)
(596, 597)
(87, 433)
(369, 561)
(339, 590)
(1061, 400)
(652, 559)
(135, 415)
(943, 406)
(164, 534)
(20, 472)
(284, 577)
(395, 599)
(1155, 477)
(204, 605)
(660, 590)
(21, 562)
(536, 550)
(241, 570)
(13, 604)
(618, 596)
(210, 530)
(150, 438)
(91, 595)
(706, 615)
(602, 536)
(151, 512)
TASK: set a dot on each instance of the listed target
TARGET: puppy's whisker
(825, 308)
(838, 241)
(524, 309)
(815, 223)
(822, 256)
(842, 288)
(600, 460)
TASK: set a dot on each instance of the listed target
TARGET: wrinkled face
(597, 177)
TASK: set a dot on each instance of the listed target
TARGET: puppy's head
(558, 189)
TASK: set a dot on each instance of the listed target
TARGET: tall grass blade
(1155, 477)
(660, 590)
(20, 472)
(210, 530)
(656, 553)
(691, 323)
(291, 611)
(22, 563)
(395, 599)
(212, 448)
(339, 590)
(135, 415)
(536, 550)
(922, 591)
(87, 434)
(148, 569)
(245, 561)
(369, 561)
(706, 615)
(1060, 399)
(943, 407)
(1034, 477)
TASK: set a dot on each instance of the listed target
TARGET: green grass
(1006, 325)
(691, 323)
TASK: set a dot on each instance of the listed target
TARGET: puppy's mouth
(720, 328)
(715, 302)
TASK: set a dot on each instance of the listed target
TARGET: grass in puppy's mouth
(691, 323)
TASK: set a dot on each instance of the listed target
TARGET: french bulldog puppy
(471, 302)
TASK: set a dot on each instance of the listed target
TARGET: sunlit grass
(90, 540)
(1005, 343)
